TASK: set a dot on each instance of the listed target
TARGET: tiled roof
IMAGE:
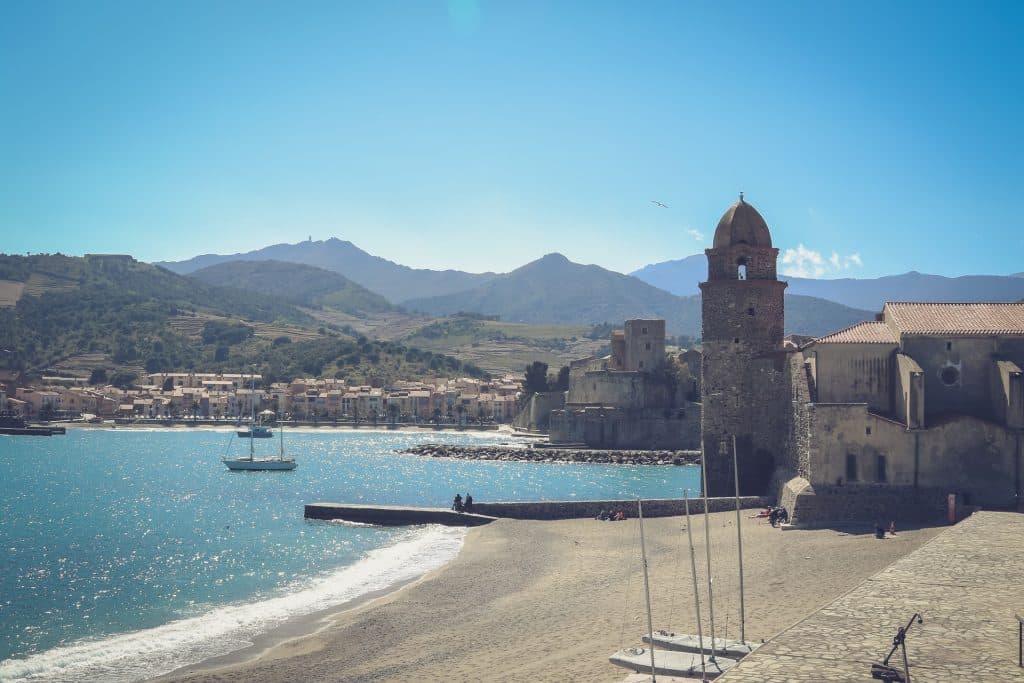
(956, 319)
(869, 332)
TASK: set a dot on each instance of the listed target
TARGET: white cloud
(804, 262)
(696, 234)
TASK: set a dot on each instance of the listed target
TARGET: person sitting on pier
(620, 516)
(603, 515)
(457, 503)
(468, 507)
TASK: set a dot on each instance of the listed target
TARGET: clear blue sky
(482, 135)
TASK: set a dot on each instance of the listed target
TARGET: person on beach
(468, 507)
(603, 515)
(457, 503)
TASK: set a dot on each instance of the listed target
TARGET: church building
(887, 418)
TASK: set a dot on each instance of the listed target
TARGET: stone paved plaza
(967, 583)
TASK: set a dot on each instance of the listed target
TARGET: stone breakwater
(550, 455)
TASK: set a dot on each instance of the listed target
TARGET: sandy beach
(549, 601)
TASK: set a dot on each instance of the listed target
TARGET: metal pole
(696, 597)
(707, 548)
(906, 665)
(739, 537)
(647, 587)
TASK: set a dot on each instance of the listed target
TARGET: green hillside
(296, 283)
(126, 318)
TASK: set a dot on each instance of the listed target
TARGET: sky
(874, 137)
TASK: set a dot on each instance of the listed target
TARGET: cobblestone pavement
(967, 583)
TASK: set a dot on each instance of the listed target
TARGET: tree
(98, 376)
(459, 408)
(536, 377)
(168, 384)
(561, 382)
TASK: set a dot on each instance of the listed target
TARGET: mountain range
(555, 290)
(393, 281)
(681, 277)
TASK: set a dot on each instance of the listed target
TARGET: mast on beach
(696, 596)
(647, 588)
(739, 536)
(707, 544)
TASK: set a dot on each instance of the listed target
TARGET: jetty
(394, 515)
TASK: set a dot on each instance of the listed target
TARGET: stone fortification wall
(644, 345)
(535, 415)
(669, 428)
(584, 509)
(619, 389)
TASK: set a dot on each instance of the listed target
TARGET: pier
(394, 515)
(484, 513)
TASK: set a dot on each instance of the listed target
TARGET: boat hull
(256, 435)
(258, 464)
(685, 643)
(670, 663)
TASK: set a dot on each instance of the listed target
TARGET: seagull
(664, 206)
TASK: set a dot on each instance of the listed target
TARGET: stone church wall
(961, 454)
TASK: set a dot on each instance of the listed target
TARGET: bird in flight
(664, 206)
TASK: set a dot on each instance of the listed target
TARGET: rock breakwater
(555, 455)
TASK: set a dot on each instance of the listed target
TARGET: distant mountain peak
(554, 257)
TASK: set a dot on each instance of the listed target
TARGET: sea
(129, 553)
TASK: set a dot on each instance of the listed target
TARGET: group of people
(462, 506)
(775, 515)
(607, 516)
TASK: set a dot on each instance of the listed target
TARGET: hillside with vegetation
(123, 318)
(297, 284)
(502, 347)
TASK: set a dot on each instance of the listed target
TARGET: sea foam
(151, 652)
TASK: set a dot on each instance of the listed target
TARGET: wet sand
(549, 601)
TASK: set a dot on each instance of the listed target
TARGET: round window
(949, 375)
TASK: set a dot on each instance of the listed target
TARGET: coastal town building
(232, 397)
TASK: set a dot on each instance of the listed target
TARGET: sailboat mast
(696, 596)
(280, 429)
(252, 421)
(647, 587)
(739, 536)
(707, 548)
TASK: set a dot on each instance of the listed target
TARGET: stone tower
(742, 370)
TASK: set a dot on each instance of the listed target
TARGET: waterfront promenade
(966, 583)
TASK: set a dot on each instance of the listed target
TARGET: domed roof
(742, 224)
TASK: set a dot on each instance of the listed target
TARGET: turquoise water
(130, 553)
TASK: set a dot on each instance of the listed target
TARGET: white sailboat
(252, 463)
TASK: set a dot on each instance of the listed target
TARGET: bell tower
(743, 322)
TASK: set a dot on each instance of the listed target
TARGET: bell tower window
(741, 269)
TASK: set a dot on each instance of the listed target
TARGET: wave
(152, 652)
